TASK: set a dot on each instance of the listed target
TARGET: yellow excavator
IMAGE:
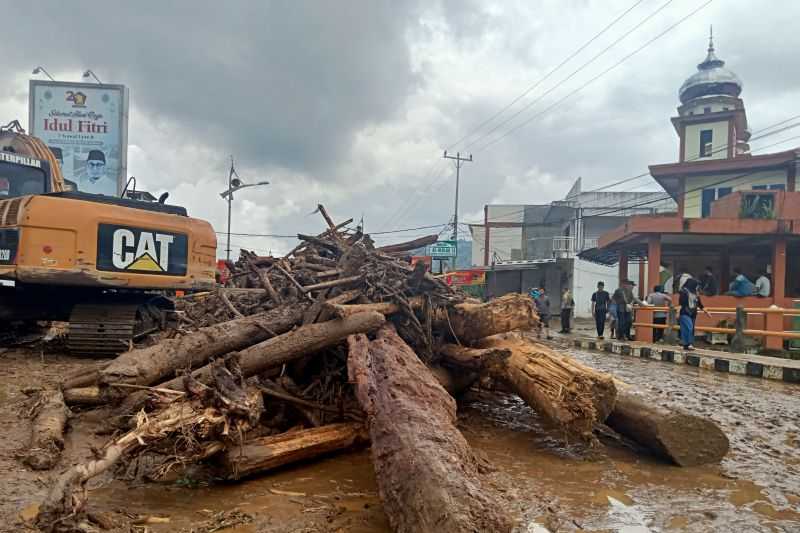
(102, 263)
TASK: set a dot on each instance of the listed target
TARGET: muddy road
(567, 488)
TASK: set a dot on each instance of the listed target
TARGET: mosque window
(706, 138)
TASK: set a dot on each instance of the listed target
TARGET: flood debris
(333, 346)
(50, 415)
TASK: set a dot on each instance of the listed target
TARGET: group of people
(739, 286)
(618, 308)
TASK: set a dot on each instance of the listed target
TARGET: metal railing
(570, 245)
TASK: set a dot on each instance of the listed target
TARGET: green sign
(442, 249)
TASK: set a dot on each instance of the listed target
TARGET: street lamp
(88, 73)
(234, 184)
(38, 70)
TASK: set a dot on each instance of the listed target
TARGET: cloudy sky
(350, 103)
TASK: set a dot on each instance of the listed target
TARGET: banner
(86, 127)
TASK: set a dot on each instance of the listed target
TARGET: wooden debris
(47, 431)
(266, 453)
(684, 439)
(428, 476)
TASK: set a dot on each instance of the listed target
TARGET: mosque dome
(711, 79)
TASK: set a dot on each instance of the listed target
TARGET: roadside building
(734, 209)
(523, 246)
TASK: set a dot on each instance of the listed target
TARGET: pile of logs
(336, 345)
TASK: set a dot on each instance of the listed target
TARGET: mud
(569, 488)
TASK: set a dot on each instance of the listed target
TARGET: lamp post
(38, 70)
(87, 73)
(234, 184)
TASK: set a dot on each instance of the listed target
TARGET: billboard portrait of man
(94, 178)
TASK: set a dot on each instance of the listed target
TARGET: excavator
(104, 264)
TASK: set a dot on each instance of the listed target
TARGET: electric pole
(459, 161)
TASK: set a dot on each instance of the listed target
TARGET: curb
(720, 363)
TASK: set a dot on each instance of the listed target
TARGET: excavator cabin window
(20, 180)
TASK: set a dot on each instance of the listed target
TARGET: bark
(469, 322)
(146, 366)
(385, 308)
(47, 432)
(684, 439)
(284, 348)
(91, 395)
(409, 245)
(570, 395)
(427, 474)
(472, 358)
(267, 453)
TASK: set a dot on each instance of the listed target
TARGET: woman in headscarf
(690, 302)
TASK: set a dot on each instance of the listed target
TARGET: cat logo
(128, 249)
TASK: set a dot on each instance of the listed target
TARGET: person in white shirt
(763, 285)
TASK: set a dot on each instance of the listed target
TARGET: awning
(610, 257)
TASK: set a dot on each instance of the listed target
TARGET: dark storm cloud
(280, 83)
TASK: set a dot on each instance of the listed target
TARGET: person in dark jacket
(690, 302)
(543, 309)
(600, 301)
(708, 283)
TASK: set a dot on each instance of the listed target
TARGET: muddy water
(566, 487)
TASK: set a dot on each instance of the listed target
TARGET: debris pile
(334, 345)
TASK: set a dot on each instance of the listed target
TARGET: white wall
(694, 199)
(585, 278)
(719, 140)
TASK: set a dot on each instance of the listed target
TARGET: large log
(409, 245)
(284, 348)
(569, 394)
(47, 432)
(469, 322)
(427, 474)
(146, 366)
(267, 453)
(684, 439)
(385, 308)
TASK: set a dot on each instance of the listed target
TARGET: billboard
(86, 127)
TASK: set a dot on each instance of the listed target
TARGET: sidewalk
(760, 366)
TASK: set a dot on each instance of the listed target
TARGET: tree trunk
(385, 308)
(684, 439)
(146, 366)
(47, 432)
(409, 245)
(289, 346)
(428, 476)
(470, 322)
(472, 358)
(570, 395)
(266, 453)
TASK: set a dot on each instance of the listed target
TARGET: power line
(546, 76)
(272, 235)
(570, 76)
(595, 78)
(592, 80)
(400, 213)
(716, 150)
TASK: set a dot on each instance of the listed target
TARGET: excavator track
(107, 329)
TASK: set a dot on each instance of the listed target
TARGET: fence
(739, 331)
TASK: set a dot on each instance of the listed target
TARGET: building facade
(525, 246)
(734, 209)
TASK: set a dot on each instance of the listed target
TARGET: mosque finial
(711, 38)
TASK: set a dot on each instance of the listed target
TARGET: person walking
(690, 302)
(600, 301)
(659, 298)
(543, 308)
(567, 306)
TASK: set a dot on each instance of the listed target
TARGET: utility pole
(231, 174)
(234, 184)
(459, 161)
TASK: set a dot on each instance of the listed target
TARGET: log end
(689, 440)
